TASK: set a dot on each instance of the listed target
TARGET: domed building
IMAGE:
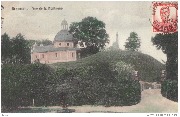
(62, 50)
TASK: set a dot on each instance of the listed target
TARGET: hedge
(100, 83)
(169, 89)
(23, 83)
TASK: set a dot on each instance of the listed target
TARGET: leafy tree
(5, 48)
(133, 42)
(31, 43)
(169, 45)
(92, 32)
(38, 83)
(23, 83)
(15, 50)
(20, 50)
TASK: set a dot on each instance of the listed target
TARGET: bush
(23, 83)
(100, 83)
(169, 89)
(11, 86)
(96, 83)
(41, 78)
(149, 69)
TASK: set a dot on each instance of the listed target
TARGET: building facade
(62, 50)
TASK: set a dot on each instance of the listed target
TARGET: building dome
(63, 35)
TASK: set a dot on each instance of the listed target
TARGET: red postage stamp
(165, 17)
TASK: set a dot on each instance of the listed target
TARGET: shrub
(11, 85)
(169, 89)
(23, 83)
(149, 69)
(97, 84)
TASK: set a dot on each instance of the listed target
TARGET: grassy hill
(148, 67)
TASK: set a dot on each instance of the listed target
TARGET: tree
(20, 50)
(133, 42)
(5, 48)
(41, 77)
(15, 50)
(169, 45)
(92, 33)
(21, 84)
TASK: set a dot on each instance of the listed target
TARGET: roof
(51, 48)
(63, 35)
(64, 22)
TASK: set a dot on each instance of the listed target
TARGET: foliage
(124, 70)
(166, 42)
(169, 45)
(10, 87)
(101, 79)
(96, 84)
(92, 32)
(39, 82)
(23, 83)
(15, 50)
(5, 48)
(20, 49)
(93, 84)
(133, 42)
(149, 68)
(169, 89)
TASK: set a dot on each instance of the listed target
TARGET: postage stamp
(165, 17)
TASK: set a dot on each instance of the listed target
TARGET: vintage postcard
(89, 57)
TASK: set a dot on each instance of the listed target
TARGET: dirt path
(151, 102)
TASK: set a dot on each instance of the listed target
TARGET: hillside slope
(148, 67)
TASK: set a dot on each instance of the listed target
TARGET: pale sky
(121, 17)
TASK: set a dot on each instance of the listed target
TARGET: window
(60, 44)
(67, 44)
(42, 55)
(72, 54)
(36, 56)
(56, 54)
